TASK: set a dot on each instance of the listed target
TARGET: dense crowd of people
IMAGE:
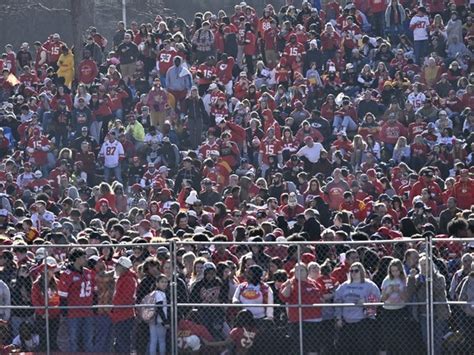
(332, 121)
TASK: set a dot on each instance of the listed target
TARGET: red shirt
(310, 294)
(124, 294)
(224, 70)
(187, 328)
(87, 71)
(390, 133)
(37, 297)
(340, 273)
(250, 47)
(270, 37)
(78, 289)
(464, 193)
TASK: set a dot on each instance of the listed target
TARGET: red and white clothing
(77, 287)
(112, 152)
(419, 25)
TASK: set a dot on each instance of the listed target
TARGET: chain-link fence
(232, 297)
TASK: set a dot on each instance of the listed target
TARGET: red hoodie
(125, 294)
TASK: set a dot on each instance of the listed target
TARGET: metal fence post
(174, 299)
(300, 310)
(429, 298)
(46, 302)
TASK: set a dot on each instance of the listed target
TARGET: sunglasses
(355, 271)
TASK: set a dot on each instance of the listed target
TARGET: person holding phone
(395, 313)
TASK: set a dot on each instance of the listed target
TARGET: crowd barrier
(418, 325)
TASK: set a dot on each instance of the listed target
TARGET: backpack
(148, 313)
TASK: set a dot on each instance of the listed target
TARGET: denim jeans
(157, 337)
(117, 172)
(346, 123)
(81, 329)
(122, 335)
(421, 51)
(394, 32)
(103, 334)
(439, 331)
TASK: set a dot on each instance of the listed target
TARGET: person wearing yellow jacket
(66, 66)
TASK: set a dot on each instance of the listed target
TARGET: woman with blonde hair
(401, 151)
(395, 313)
(359, 146)
(356, 322)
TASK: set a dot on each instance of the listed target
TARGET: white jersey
(112, 152)
(420, 30)
(417, 99)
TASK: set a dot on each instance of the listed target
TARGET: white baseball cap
(125, 262)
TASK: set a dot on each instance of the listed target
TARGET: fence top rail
(265, 243)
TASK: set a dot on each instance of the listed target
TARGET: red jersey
(270, 147)
(206, 148)
(292, 50)
(38, 147)
(54, 51)
(165, 60)
(206, 73)
(28, 79)
(78, 289)
(243, 339)
(10, 62)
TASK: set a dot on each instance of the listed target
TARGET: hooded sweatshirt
(125, 294)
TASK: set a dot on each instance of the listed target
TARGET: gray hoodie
(355, 292)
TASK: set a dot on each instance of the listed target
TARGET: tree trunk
(82, 17)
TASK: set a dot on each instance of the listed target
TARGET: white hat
(314, 42)
(155, 218)
(38, 174)
(213, 86)
(163, 169)
(125, 262)
(192, 343)
(220, 119)
(40, 253)
(51, 262)
(56, 225)
(56, 35)
(191, 198)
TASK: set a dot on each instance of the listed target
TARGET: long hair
(399, 265)
(361, 271)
